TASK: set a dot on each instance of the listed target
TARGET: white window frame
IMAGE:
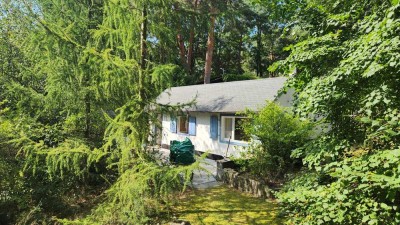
(233, 128)
(179, 125)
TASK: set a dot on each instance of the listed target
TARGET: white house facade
(212, 123)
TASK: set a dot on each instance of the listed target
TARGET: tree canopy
(347, 72)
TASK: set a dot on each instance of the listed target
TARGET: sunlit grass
(223, 205)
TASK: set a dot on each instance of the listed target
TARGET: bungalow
(212, 122)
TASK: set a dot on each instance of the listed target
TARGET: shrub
(364, 189)
(237, 77)
(276, 132)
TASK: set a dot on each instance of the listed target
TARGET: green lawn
(223, 205)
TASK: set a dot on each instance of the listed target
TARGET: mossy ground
(223, 205)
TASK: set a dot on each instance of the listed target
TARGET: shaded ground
(222, 205)
(201, 178)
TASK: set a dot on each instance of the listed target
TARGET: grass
(223, 205)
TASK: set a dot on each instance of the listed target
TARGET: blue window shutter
(192, 125)
(214, 127)
(173, 124)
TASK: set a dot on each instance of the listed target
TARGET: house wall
(202, 140)
(286, 99)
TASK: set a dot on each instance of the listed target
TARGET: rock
(224, 164)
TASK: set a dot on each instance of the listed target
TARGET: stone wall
(242, 182)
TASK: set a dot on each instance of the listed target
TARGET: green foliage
(140, 187)
(236, 77)
(87, 126)
(25, 195)
(69, 156)
(140, 194)
(11, 197)
(365, 190)
(277, 132)
(10, 182)
(346, 72)
(321, 150)
(162, 76)
(330, 67)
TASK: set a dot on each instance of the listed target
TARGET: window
(183, 124)
(231, 129)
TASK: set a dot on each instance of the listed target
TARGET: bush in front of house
(275, 133)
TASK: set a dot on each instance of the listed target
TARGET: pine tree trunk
(143, 53)
(191, 45)
(186, 56)
(182, 52)
(210, 49)
(143, 38)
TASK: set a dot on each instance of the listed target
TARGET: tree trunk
(182, 53)
(86, 84)
(143, 53)
(191, 45)
(259, 50)
(143, 38)
(186, 56)
(210, 49)
(239, 56)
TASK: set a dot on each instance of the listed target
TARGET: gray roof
(224, 97)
